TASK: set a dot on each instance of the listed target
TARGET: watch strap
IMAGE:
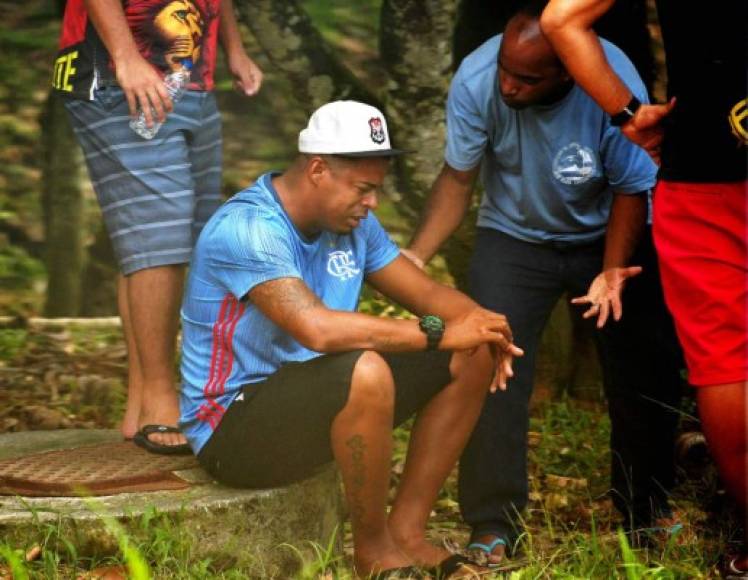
(626, 114)
(433, 327)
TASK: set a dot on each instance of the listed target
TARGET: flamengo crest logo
(377, 130)
(342, 265)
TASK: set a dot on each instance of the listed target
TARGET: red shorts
(700, 235)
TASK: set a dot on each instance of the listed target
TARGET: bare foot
(161, 408)
(426, 555)
(129, 425)
(373, 559)
(735, 567)
(741, 563)
(130, 422)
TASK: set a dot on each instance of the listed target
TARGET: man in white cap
(282, 376)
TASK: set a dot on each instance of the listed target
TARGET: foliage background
(74, 378)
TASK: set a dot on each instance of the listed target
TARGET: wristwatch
(620, 119)
(433, 327)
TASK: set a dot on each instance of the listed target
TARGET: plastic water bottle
(176, 84)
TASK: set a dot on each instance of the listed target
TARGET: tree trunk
(477, 21)
(295, 46)
(416, 48)
(99, 295)
(62, 204)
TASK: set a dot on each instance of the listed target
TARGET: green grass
(576, 538)
(572, 529)
(11, 343)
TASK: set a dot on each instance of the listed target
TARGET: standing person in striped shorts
(155, 195)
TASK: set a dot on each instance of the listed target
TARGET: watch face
(431, 322)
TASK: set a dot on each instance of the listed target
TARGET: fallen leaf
(562, 482)
(33, 553)
(556, 501)
(448, 503)
(533, 438)
(105, 573)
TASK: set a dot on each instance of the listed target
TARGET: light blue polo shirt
(549, 172)
(226, 341)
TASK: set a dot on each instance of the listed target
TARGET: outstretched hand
(604, 294)
(481, 326)
(645, 127)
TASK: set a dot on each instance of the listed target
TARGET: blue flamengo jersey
(226, 341)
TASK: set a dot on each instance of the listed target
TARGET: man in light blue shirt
(282, 375)
(564, 206)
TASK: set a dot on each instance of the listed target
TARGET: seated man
(282, 376)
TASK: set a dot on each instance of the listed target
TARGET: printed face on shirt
(180, 28)
(529, 73)
(348, 191)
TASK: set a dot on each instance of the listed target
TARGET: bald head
(530, 73)
(525, 41)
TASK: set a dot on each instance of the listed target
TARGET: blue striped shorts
(156, 195)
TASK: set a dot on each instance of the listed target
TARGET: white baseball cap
(347, 128)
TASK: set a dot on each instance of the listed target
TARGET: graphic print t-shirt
(226, 341)
(167, 32)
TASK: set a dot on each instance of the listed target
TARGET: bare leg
(723, 410)
(134, 374)
(153, 298)
(362, 444)
(439, 436)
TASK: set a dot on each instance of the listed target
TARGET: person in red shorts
(700, 208)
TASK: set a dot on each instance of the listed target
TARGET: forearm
(445, 209)
(229, 34)
(345, 330)
(443, 301)
(108, 17)
(568, 26)
(292, 306)
(628, 217)
(339, 331)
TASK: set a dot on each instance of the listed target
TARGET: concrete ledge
(246, 530)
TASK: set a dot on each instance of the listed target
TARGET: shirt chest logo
(574, 164)
(342, 265)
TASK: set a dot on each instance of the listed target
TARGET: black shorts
(278, 431)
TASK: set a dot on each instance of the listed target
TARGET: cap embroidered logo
(377, 130)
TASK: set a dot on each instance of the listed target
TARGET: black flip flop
(404, 573)
(444, 569)
(141, 439)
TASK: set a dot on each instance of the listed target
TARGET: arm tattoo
(284, 299)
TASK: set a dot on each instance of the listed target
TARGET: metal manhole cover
(103, 469)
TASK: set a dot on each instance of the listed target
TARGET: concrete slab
(249, 530)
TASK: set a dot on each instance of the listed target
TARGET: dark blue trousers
(641, 371)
